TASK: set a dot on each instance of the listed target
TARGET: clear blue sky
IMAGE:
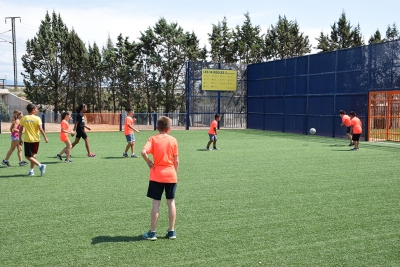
(94, 21)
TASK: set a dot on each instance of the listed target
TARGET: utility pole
(14, 43)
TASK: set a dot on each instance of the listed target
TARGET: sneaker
(59, 157)
(207, 148)
(354, 149)
(31, 173)
(42, 169)
(6, 163)
(125, 154)
(134, 156)
(351, 144)
(170, 234)
(150, 235)
(91, 155)
(215, 148)
(23, 163)
(67, 161)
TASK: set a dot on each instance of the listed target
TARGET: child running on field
(129, 133)
(64, 137)
(14, 129)
(32, 125)
(79, 128)
(163, 175)
(212, 133)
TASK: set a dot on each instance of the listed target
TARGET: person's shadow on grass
(113, 239)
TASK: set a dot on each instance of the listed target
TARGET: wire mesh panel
(202, 105)
(384, 116)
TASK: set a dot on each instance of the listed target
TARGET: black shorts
(80, 133)
(31, 149)
(348, 129)
(356, 137)
(156, 190)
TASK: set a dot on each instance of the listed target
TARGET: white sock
(31, 170)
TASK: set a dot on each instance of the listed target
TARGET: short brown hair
(163, 124)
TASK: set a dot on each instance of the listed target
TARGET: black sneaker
(67, 161)
(351, 144)
(6, 163)
(170, 234)
(59, 157)
(23, 163)
(134, 156)
(216, 148)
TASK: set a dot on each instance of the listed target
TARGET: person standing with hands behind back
(32, 125)
(79, 128)
(163, 175)
(346, 122)
(212, 133)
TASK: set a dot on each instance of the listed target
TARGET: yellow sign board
(218, 80)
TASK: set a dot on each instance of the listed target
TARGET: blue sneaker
(134, 156)
(170, 234)
(42, 169)
(125, 154)
(31, 173)
(150, 235)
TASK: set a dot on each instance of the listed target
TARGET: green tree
(109, 70)
(392, 33)
(376, 38)
(248, 43)
(221, 42)
(93, 78)
(44, 62)
(285, 40)
(343, 35)
(76, 58)
(167, 48)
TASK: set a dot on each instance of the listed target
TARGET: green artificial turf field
(263, 199)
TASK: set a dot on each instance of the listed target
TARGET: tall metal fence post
(120, 122)
(187, 95)
(43, 121)
(155, 121)
(0, 125)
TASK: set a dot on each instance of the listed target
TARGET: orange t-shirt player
(164, 149)
(356, 127)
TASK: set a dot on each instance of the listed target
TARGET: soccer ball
(313, 131)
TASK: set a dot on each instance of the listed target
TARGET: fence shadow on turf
(115, 239)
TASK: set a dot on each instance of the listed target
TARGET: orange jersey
(346, 120)
(128, 122)
(64, 126)
(357, 125)
(213, 126)
(164, 148)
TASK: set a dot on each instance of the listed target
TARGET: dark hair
(352, 113)
(129, 109)
(216, 116)
(342, 112)
(163, 124)
(64, 114)
(80, 108)
(30, 107)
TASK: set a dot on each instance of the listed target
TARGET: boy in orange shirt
(129, 133)
(356, 129)
(346, 122)
(64, 137)
(212, 133)
(163, 175)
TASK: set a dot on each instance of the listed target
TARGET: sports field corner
(263, 199)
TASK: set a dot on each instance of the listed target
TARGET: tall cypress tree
(45, 62)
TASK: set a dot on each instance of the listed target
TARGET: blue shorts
(130, 138)
(348, 130)
(156, 190)
(13, 138)
(212, 137)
